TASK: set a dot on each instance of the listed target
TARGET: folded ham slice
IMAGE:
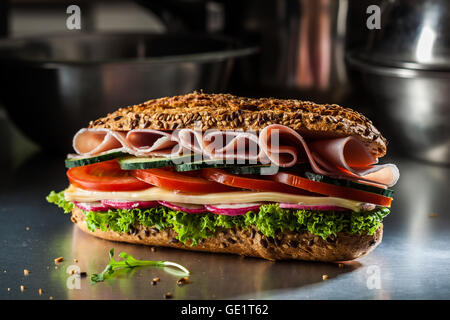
(228, 145)
(350, 156)
(140, 143)
(88, 142)
(152, 142)
(346, 157)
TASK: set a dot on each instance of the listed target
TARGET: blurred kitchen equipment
(54, 85)
(301, 41)
(405, 67)
(4, 21)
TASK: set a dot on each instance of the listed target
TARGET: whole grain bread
(251, 242)
(204, 111)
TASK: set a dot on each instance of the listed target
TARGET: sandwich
(269, 178)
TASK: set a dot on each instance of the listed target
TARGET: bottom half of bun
(250, 242)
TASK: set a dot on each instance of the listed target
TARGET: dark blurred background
(54, 80)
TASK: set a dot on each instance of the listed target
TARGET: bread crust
(204, 111)
(286, 246)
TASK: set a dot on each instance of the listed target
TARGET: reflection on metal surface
(412, 107)
(413, 35)
(405, 69)
(213, 276)
(424, 49)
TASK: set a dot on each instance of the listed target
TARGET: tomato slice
(104, 176)
(331, 190)
(176, 181)
(249, 182)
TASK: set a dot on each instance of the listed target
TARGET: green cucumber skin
(72, 163)
(256, 169)
(132, 163)
(145, 165)
(349, 184)
(201, 165)
(220, 164)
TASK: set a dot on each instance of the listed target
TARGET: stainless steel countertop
(412, 262)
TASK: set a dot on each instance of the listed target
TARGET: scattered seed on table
(183, 281)
(58, 260)
(168, 295)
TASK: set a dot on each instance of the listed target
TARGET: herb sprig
(128, 263)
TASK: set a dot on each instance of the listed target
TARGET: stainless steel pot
(405, 69)
(412, 108)
(52, 86)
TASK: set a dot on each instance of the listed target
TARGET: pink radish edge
(91, 206)
(232, 210)
(307, 207)
(175, 206)
(117, 204)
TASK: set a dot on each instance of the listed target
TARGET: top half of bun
(227, 112)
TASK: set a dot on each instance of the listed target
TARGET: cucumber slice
(217, 164)
(260, 169)
(134, 163)
(84, 161)
(197, 165)
(349, 184)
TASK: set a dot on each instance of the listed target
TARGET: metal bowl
(405, 69)
(54, 85)
(412, 107)
(413, 35)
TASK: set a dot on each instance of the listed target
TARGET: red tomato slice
(175, 181)
(331, 190)
(248, 182)
(104, 176)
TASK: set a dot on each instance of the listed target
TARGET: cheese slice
(76, 194)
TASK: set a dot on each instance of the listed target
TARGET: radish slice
(368, 206)
(185, 207)
(91, 206)
(233, 209)
(117, 204)
(318, 208)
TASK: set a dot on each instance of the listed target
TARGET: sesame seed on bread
(228, 112)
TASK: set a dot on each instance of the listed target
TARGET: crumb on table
(59, 259)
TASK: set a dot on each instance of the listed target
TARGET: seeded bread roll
(228, 112)
(286, 246)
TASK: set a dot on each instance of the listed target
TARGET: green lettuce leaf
(58, 199)
(194, 227)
